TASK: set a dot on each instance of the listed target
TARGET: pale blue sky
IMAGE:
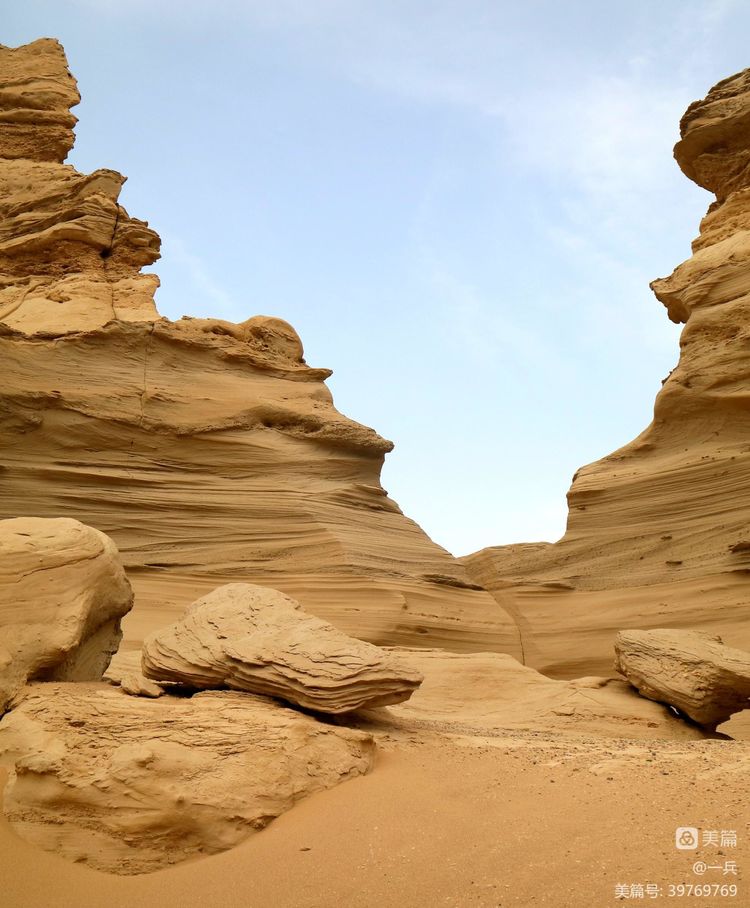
(459, 206)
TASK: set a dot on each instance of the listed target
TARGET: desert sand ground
(501, 819)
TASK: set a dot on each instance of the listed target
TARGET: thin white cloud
(272, 14)
(487, 329)
(198, 276)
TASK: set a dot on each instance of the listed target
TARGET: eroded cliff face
(658, 532)
(70, 255)
(209, 451)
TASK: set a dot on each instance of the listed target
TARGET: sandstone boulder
(259, 640)
(62, 594)
(128, 785)
(690, 670)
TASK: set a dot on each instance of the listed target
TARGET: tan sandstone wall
(210, 452)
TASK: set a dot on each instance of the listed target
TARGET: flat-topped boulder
(692, 671)
(63, 592)
(129, 785)
(259, 640)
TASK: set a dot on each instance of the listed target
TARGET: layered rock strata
(692, 671)
(130, 785)
(255, 639)
(70, 255)
(63, 593)
(659, 531)
(209, 451)
(36, 94)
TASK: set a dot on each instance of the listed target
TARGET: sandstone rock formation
(255, 639)
(689, 670)
(70, 255)
(659, 532)
(125, 671)
(130, 785)
(490, 692)
(214, 451)
(36, 94)
(62, 594)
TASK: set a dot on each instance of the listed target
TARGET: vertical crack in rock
(107, 252)
(105, 255)
(520, 639)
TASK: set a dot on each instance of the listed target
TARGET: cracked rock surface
(130, 785)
